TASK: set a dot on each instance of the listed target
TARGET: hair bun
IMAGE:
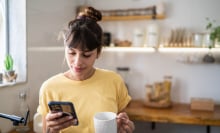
(91, 13)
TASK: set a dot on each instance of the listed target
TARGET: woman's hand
(124, 124)
(55, 123)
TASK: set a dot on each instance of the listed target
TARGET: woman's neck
(69, 74)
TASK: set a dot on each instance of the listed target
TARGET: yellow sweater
(104, 91)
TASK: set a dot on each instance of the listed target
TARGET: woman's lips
(77, 69)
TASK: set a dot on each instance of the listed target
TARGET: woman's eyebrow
(86, 50)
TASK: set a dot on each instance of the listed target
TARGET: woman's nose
(77, 60)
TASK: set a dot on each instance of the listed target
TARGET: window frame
(4, 32)
(11, 10)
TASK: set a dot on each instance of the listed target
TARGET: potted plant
(9, 69)
(214, 36)
(214, 32)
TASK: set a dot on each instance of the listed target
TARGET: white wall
(188, 14)
(189, 79)
(45, 18)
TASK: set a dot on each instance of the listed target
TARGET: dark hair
(84, 32)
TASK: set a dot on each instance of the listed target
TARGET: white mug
(105, 122)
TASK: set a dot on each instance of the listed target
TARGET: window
(13, 36)
(2, 35)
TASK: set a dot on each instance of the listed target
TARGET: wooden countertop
(178, 113)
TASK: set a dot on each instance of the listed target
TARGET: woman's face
(80, 62)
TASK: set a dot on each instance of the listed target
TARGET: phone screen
(66, 107)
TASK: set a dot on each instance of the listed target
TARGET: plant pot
(10, 76)
(208, 58)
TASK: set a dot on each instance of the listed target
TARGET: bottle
(23, 104)
(37, 123)
(23, 108)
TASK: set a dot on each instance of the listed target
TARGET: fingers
(129, 128)
(55, 122)
(57, 128)
(52, 116)
(124, 124)
(123, 115)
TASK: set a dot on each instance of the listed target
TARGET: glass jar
(152, 35)
(149, 92)
(167, 84)
(157, 90)
(197, 39)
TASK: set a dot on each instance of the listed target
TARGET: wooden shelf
(128, 49)
(142, 17)
(161, 49)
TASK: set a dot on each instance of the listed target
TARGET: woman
(90, 89)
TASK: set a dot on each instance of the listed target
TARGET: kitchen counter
(178, 113)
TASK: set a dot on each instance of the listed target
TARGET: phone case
(66, 107)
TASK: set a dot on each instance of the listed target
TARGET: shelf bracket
(153, 125)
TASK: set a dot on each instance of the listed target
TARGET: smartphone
(67, 108)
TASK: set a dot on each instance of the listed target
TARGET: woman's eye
(72, 53)
(87, 56)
